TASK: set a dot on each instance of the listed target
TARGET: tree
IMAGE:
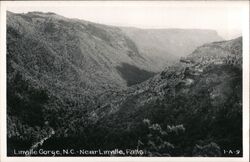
(156, 142)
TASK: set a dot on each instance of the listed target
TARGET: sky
(225, 17)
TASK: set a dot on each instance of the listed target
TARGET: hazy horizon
(225, 18)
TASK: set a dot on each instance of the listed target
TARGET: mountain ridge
(169, 45)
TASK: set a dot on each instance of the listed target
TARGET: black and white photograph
(125, 79)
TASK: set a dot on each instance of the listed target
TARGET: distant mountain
(164, 46)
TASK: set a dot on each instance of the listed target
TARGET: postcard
(124, 81)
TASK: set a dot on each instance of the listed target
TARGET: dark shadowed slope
(133, 75)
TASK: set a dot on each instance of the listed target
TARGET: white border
(245, 20)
